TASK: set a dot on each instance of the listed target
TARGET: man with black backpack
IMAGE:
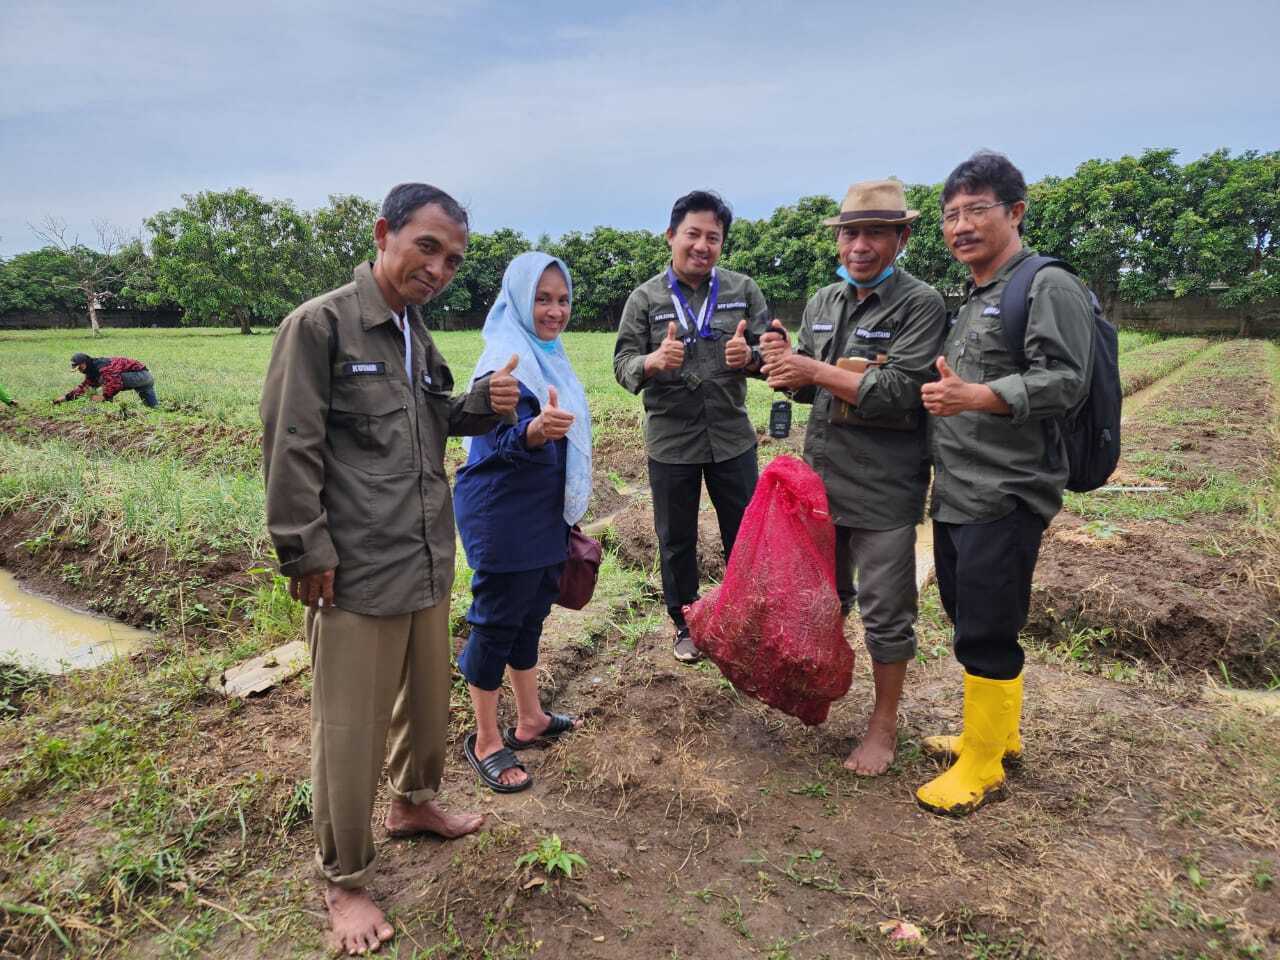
(1001, 413)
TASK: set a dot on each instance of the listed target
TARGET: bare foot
(357, 925)
(406, 819)
(872, 756)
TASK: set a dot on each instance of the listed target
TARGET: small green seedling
(551, 856)
(817, 789)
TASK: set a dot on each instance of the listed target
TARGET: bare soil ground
(1181, 577)
(1142, 823)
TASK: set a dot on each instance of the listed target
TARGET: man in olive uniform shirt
(356, 409)
(997, 479)
(683, 342)
(866, 435)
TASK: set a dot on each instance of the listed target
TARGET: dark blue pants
(143, 382)
(984, 578)
(506, 615)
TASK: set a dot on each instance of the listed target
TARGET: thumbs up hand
(668, 356)
(504, 389)
(949, 394)
(736, 352)
(551, 424)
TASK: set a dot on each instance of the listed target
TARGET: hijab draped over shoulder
(508, 330)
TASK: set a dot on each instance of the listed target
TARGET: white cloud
(560, 119)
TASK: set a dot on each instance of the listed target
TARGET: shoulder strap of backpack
(1014, 303)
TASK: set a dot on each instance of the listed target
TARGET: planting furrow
(1184, 573)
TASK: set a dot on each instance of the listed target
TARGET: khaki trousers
(883, 562)
(371, 675)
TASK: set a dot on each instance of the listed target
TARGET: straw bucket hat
(874, 202)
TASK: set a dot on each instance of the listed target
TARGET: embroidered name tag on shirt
(736, 305)
(664, 316)
(874, 334)
(991, 311)
(357, 368)
(823, 327)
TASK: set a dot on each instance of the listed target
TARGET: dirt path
(712, 826)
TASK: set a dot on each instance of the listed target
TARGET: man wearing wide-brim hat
(866, 345)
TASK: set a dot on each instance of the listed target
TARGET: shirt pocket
(986, 337)
(369, 427)
(725, 324)
(659, 320)
(821, 340)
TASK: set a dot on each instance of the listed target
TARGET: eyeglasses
(972, 213)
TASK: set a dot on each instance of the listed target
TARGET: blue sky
(586, 114)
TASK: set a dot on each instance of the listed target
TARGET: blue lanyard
(700, 322)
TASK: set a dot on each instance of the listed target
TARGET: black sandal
(491, 768)
(559, 723)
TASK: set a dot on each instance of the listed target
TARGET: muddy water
(48, 636)
(924, 553)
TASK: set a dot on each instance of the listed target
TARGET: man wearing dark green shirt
(866, 435)
(683, 343)
(998, 473)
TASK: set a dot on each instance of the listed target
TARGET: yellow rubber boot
(949, 748)
(977, 777)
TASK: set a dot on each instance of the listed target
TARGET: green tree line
(1135, 228)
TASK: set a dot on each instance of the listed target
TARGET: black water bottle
(780, 419)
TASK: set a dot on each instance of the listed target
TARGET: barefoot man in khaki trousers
(356, 410)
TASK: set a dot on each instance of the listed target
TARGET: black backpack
(1092, 429)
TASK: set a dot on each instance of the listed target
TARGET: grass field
(216, 374)
(143, 816)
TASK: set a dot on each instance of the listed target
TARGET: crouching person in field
(111, 375)
(356, 409)
(998, 473)
(867, 344)
(523, 486)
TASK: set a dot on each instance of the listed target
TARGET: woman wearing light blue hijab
(522, 487)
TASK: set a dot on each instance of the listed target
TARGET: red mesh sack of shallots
(773, 627)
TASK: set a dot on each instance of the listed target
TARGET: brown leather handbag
(581, 569)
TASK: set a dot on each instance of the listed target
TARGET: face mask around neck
(879, 278)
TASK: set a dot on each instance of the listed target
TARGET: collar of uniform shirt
(402, 324)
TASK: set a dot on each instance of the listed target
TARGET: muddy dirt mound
(636, 541)
(1187, 576)
(1158, 595)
